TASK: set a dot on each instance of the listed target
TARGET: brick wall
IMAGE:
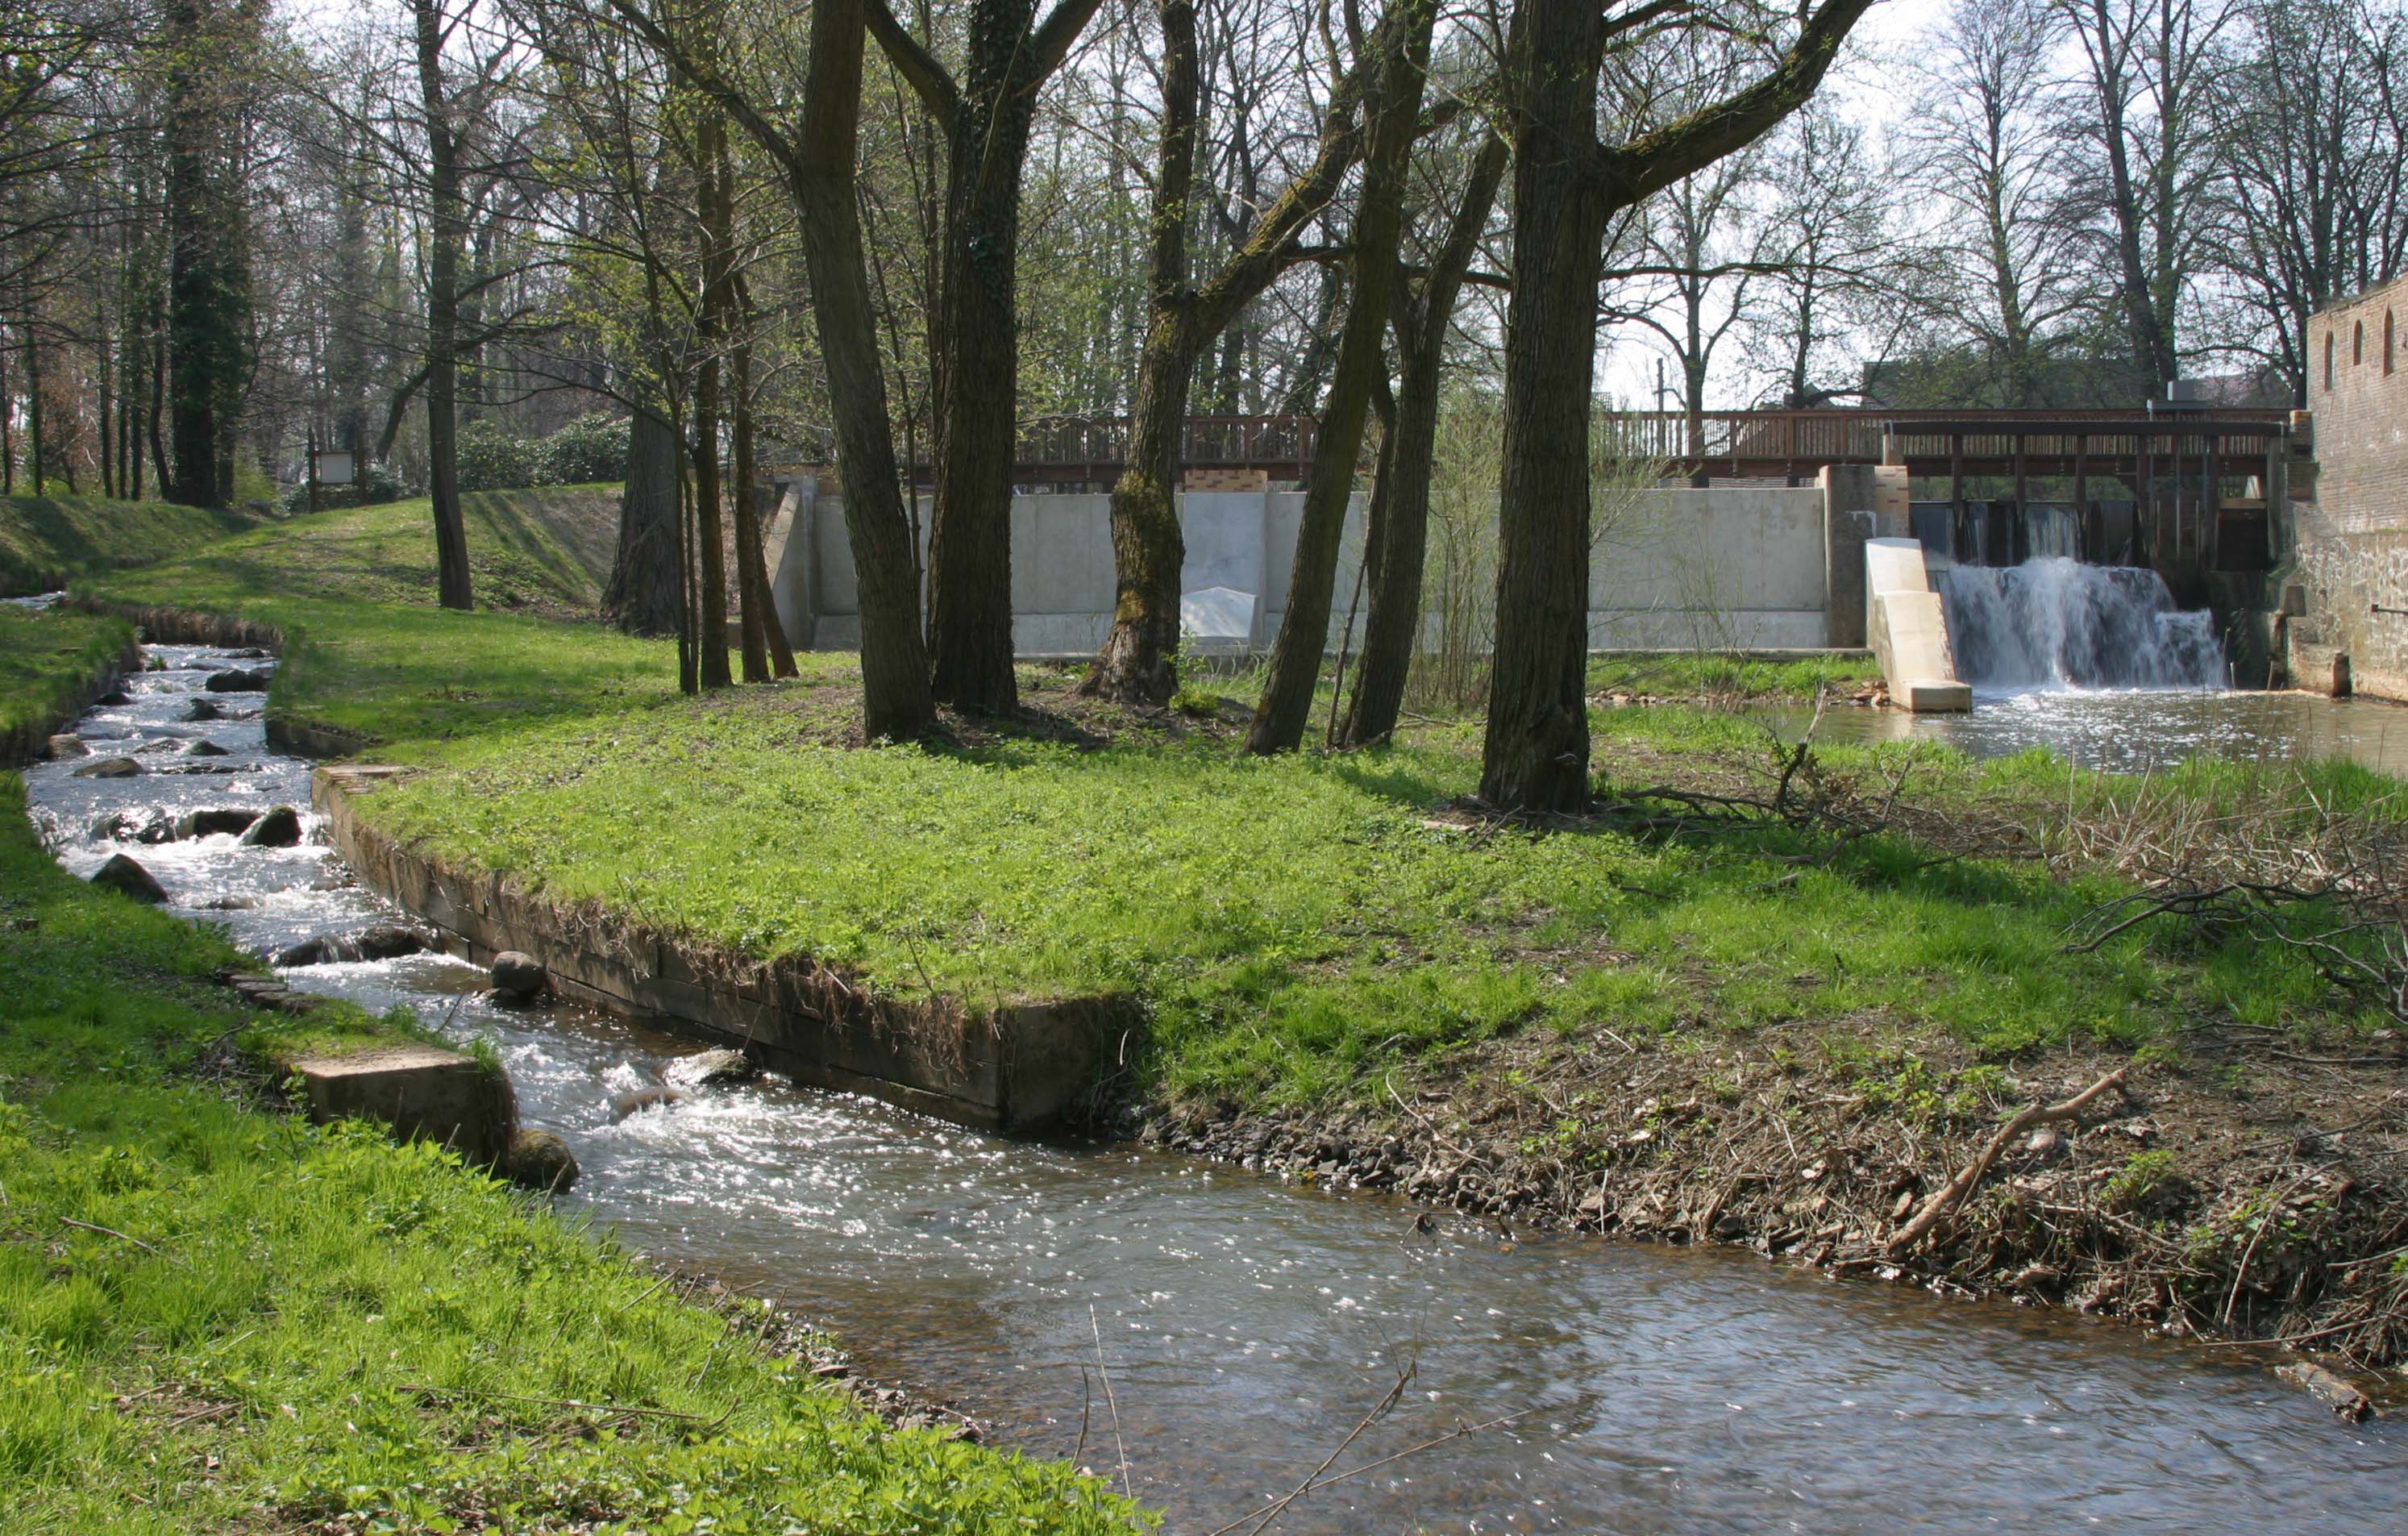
(2351, 541)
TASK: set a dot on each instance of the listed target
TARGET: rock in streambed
(127, 877)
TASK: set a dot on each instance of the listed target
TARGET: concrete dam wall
(1730, 566)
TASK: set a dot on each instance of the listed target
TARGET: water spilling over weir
(1247, 1326)
(2056, 623)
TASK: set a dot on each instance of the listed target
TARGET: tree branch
(928, 76)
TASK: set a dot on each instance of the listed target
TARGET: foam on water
(2055, 623)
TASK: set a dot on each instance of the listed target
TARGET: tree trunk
(762, 626)
(208, 299)
(1398, 539)
(1139, 663)
(1536, 755)
(1286, 706)
(710, 338)
(976, 365)
(451, 581)
(642, 594)
(895, 697)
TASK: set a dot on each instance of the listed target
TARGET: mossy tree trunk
(1138, 661)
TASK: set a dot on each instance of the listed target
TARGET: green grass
(46, 656)
(47, 539)
(1721, 676)
(214, 1319)
(1292, 928)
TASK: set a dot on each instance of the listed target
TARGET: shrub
(494, 458)
(590, 448)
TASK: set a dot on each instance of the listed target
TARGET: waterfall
(2058, 624)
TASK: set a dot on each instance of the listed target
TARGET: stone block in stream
(539, 1160)
(68, 746)
(108, 768)
(280, 828)
(517, 976)
(236, 680)
(204, 709)
(385, 941)
(424, 1092)
(206, 748)
(124, 876)
(718, 1065)
(228, 821)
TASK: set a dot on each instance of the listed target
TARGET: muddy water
(2128, 730)
(1245, 1327)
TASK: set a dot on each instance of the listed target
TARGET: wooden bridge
(1954, 444)
(2223, 442)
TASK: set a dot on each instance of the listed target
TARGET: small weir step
(424, 1092)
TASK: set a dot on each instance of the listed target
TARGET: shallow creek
(1247, 1326)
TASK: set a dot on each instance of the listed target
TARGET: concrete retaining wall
(1670, 569)
(1018, 1069)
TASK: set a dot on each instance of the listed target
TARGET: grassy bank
(213, 1316)
(48, 541)
(47, 658)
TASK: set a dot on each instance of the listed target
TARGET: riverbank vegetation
(216, 1317)
(49, 540)
(1883, 947)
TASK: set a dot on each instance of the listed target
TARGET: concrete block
(424, 1092)
(1929, 697)
(1218, 622)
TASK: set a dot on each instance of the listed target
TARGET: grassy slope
(45, 656)
(280, 1326)
(44, 538)
(1294, 927)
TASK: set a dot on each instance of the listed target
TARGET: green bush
(590, 449)
(494, 458)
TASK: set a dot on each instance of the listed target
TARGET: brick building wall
(2351, 542)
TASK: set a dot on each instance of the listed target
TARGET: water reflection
(1247, 1326)
(2129, 730)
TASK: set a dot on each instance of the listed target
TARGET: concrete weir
(1019, 1067)
(1907, 629)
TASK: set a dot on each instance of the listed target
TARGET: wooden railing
(1855, 437)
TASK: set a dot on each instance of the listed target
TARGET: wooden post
(1956, 495)
(2020, 530)
(2081, 519)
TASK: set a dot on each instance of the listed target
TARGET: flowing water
(2059, 622)
(1245, 1326)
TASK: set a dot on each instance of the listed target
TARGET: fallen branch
(125, 1237)
(1970, 1174)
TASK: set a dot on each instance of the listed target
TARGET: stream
(1245, 1326)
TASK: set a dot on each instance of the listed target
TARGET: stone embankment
(1015, 1068)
